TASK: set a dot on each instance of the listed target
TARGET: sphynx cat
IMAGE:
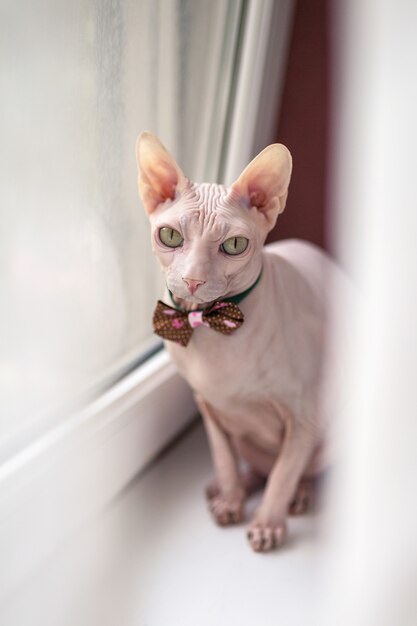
(259, 389)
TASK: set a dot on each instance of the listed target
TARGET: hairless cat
(246, 325)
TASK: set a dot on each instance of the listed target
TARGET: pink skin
(193, 285)
(259, 390)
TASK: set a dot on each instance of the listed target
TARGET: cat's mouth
(203, 296)
(194, 301)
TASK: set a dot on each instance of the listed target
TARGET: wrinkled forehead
(207, 210)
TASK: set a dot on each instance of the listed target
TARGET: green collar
(234, 299)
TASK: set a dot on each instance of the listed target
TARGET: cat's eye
(235, 245)
(170, 237)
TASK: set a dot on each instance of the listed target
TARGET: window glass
(78, 81)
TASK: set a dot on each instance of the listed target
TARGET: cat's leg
(227, 505)
(307, 493)
(268, 530)
(304, 496)
(250, 479)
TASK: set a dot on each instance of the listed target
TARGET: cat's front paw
(227, 510)
(264, 537)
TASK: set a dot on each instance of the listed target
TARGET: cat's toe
(226, 511)
(264, 538)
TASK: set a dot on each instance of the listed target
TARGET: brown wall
(303, 124)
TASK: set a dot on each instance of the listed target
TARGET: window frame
(75, 470)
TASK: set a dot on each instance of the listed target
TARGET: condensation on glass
(78, 81)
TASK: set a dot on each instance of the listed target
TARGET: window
(78, 82)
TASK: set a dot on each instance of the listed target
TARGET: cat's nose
(193, 284)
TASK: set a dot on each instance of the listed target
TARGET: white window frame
(75, 470)
(72, 472)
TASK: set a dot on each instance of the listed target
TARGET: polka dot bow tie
(178, 326)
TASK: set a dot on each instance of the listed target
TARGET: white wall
(373, 560)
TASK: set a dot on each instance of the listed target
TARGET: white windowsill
(74, 471)
(155, 557)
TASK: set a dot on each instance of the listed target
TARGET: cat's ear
(159, 176)
(264, 182)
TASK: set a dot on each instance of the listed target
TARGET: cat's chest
(225, 368)
(213, 364)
